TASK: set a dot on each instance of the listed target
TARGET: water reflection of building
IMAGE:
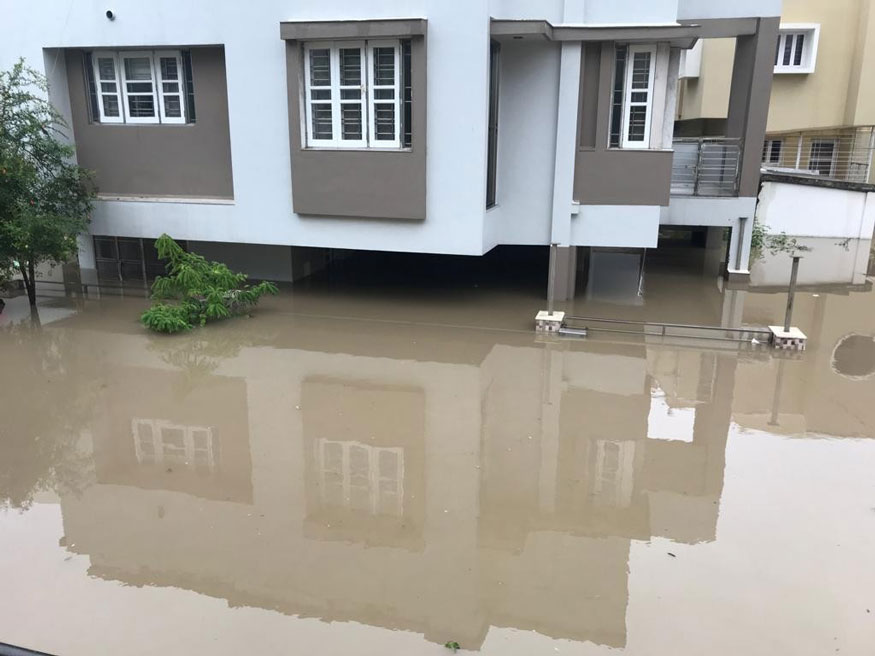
(499, 486)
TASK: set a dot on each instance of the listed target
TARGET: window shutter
(106, 74)
(93, 109)
(189, 85)
(168, 66)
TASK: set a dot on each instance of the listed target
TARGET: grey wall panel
(192, 160)
(383, 184)
(622, 177)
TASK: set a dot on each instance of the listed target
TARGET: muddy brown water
(367, 473)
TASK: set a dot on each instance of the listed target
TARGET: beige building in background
(823, 103)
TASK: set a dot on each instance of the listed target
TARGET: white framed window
(353, 94)
(796, 50)
(139, 86)
(168, 66)
(773, 150)
(822, 156)
(107, 87)
(638, 96)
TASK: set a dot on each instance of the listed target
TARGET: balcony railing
(705, 167)
(837, 154)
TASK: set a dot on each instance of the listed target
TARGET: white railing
(836, 154)
(705, 166)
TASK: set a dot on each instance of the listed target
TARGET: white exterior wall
(810, 211)
(534, 203)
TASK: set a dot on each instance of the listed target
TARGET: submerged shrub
(196, 291)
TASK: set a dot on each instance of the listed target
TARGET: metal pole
(791, 292)
(551, 280)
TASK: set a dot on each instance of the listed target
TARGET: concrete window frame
(797, 42)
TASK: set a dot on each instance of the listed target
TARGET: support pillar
(749, 95)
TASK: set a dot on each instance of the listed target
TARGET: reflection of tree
(199, 354)
(48, 393)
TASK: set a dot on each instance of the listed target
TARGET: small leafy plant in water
(195, 291)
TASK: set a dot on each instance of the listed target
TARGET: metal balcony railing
(837, 153)
(705, 167)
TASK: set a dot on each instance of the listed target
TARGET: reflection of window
(159, 442)
(633, 96)
(614, 475)
(356, 94)
(361, 477)
(822, 156)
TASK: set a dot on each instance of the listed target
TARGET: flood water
(364, 468)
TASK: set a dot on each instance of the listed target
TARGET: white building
(438, 126)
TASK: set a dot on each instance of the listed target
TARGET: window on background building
(492, 127)
(772, 151)
(822, 156)
(796, 49)
(632, 98)
(358, 94)
(137, 87)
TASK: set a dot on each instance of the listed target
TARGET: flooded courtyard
(374, 467)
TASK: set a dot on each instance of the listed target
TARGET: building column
(563, 273)
(738, 265)
(749, 99)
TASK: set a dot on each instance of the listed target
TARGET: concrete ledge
(352, 29)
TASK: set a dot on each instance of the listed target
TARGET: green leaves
(205, 291)
(453, 645)
(45, 199)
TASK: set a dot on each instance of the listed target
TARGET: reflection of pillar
(733, 308)
(550, 405)
(711, 426)
(776, 394)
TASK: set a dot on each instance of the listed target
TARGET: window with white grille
(139, 86)
(796, 50)
(355, 94)
(822, 156)
(632, 100)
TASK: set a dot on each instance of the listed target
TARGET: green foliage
(201, 291)
(45, 199)
(452, 645)
(762, 240)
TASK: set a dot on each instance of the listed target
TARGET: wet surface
(370, 469)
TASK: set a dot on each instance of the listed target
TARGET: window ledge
(142, 125)
(789, 70)
(317, 149)
(166, 199)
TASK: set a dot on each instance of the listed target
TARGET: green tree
(201, 290)
(45, 198)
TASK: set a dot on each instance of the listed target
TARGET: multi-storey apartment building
(397, 125)
(822, 108)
